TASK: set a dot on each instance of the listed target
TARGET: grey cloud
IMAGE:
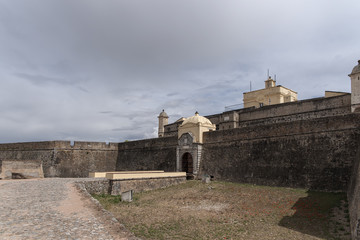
(83, 89)
(64, 62)
(175, 117)
(121, 129)
(172, 94)
(40, 79)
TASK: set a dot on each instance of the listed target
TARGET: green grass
(107, 200)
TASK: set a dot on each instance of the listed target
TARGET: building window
(261, 104)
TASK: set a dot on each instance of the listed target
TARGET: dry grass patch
(220, 210)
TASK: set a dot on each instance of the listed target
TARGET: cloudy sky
(103, 70)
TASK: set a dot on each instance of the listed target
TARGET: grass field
(222, 210)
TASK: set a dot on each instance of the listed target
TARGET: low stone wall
(140, 185)
(354, 199)
(116, 187)
(95, 186)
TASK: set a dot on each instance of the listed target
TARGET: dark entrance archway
(187, 163)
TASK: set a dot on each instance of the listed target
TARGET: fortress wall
(353, 195)
(316, 154)
(301, 110)
(60, 159)
(150, 154)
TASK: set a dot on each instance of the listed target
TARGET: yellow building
(196, 125)
(270, 95)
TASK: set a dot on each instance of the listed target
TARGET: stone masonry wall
(150, 154)
(316, 154)
(94, 186)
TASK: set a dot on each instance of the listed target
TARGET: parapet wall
(309, 105)
(316, 154)
(49, 145)
(294, 111)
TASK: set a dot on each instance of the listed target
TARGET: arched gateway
(188, 151)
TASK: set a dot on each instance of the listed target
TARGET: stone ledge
(103, 174)
(121, 176)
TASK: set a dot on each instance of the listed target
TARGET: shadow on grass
(313, 213)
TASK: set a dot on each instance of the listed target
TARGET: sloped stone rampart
(316, 154)
(353, 195)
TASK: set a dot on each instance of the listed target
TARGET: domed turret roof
(163, 114)
(197, 119)
(356, 69)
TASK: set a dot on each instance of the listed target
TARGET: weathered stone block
(127, 196)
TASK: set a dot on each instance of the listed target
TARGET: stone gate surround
(186, 145)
